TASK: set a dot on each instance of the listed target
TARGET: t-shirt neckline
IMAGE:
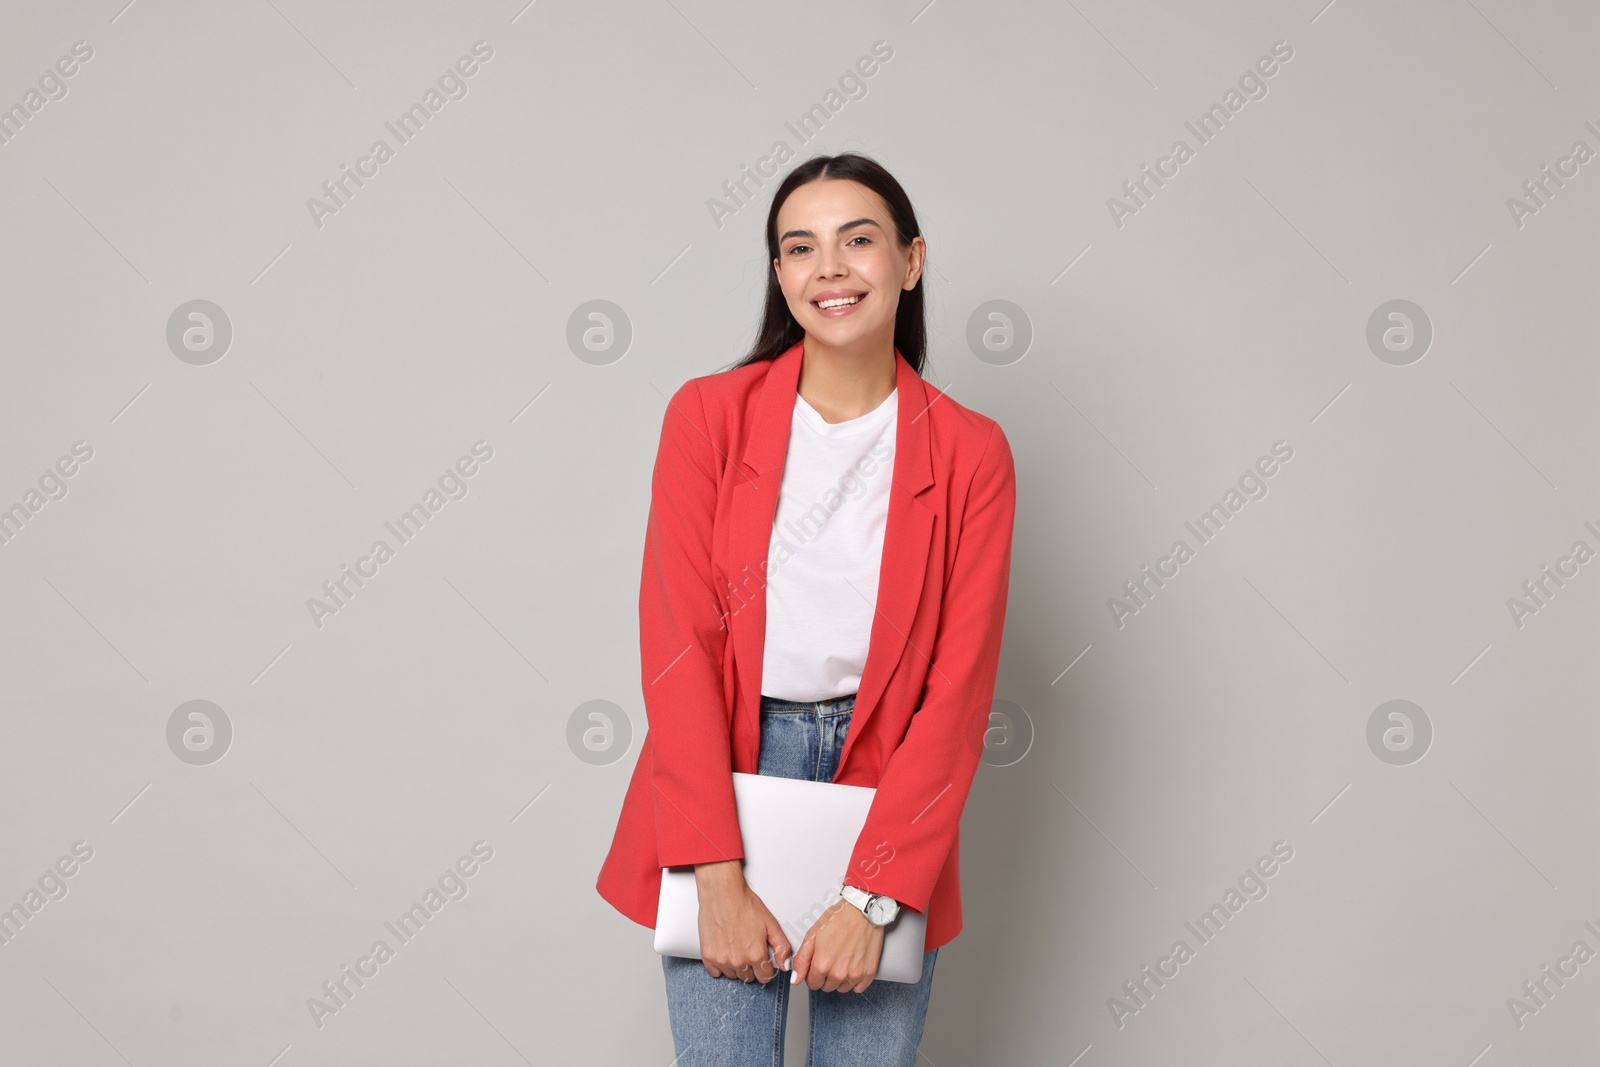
(849, 427)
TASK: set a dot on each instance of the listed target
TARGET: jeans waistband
(822, 708)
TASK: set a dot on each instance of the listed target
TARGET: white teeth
(839, 302)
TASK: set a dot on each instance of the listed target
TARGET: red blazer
(921, 710)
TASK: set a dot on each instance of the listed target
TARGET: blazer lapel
(907, 541)
(752, 510)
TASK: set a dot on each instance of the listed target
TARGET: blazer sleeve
(916, 811)
(681, 641)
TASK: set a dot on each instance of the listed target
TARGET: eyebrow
(847, 226)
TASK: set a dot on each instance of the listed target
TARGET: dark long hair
(779, 330)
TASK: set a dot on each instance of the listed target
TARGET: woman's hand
(840, 951)
(736, 928)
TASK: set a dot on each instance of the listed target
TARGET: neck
(846, 383)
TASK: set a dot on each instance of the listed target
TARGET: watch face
(880, 911)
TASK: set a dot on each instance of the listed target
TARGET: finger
(781, 949)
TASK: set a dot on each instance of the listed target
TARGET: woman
(825, 574)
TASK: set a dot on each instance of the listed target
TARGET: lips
(838, 294)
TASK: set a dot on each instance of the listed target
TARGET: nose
(828, 264)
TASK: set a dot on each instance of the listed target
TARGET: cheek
(794, 290)
(786, 284)
(883, 274)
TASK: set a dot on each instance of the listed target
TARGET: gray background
(1167, 354)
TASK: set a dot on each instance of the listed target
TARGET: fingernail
(795, 977)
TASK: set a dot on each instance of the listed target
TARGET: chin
(844, 329)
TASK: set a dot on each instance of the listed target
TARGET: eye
(795, 248)
(860, 237)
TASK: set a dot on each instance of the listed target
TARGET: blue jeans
(727, 1022)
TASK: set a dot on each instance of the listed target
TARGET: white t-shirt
(827, 545)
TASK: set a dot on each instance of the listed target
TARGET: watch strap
(862, 900)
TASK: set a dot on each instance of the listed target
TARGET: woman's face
(836, 239)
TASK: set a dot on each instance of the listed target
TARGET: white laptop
(798, 837)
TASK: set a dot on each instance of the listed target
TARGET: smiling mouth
(838, 302)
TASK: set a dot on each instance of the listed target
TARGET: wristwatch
(879, 910)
